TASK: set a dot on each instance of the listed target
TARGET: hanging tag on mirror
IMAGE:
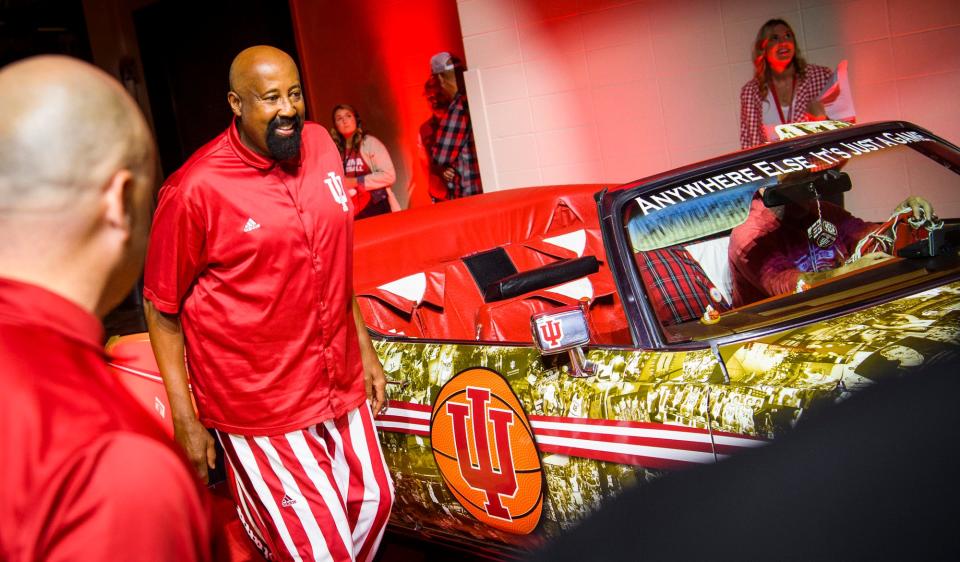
(823, 233)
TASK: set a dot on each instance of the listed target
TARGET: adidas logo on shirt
(287, 500)
(251, 225)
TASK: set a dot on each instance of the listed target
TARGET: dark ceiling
(33, 27)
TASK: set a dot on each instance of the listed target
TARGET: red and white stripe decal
(648, 444)
(651, 445)
(405, 417)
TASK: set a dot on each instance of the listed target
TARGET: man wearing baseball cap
(454, 152)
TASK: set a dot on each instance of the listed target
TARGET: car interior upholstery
(518, 249)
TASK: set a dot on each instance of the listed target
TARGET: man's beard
(281, 147)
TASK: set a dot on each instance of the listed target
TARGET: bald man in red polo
(86, 473)
(250, 273)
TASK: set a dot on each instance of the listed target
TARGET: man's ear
(116, 200)
(234, 100)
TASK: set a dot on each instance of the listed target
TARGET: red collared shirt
(87, 474)
(257, 259)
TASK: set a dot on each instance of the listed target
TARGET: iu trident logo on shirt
(484, 448)
(335, 185)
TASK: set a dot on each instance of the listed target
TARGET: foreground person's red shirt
(86, 474)
(257, 260)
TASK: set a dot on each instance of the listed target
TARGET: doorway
(186, 50)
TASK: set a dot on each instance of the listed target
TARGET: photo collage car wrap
(642, 413)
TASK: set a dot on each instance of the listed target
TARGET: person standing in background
(368, 172)
(427, 138)
(784, 88)
(87, 473)
(454, 152)
(249, 272)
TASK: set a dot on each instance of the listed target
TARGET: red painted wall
(374, 55)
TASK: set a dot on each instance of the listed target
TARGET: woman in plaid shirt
(784, 88)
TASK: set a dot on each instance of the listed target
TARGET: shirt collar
(252, 158)
(456, 100)
(27, 304)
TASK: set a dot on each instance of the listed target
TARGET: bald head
(255, 61)
(76, 181)
(65, 127)
(267, 99)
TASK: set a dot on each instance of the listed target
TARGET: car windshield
(823, 228)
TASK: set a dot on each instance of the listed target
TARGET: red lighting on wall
(375, 55)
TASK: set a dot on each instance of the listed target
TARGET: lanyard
(776, 100)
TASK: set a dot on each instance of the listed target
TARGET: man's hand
(199, 445)
(918, 205)
(376, 385)
(374, 381)
(449, 174)
(166, 338)
(349, 183)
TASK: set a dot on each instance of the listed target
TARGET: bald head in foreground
(87, 474)
(76, 178)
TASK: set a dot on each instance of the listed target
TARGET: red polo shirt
(86, 473)
(256, 257)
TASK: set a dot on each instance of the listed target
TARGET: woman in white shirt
(368, 169)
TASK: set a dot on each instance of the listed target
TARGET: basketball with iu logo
(484, 447)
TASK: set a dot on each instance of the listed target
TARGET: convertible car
(547, 347)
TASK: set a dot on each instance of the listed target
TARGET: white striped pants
(320, 493)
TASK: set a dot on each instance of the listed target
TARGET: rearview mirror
(826, 185)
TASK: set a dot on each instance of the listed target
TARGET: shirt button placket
(327, 352)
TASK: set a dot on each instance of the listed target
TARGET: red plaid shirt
(454, 147)
(678, 287)
(809, 87)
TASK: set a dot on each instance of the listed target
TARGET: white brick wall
(565, 91)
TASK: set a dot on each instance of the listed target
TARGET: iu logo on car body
(484, 447)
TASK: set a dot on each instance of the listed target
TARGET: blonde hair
(761, 70)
